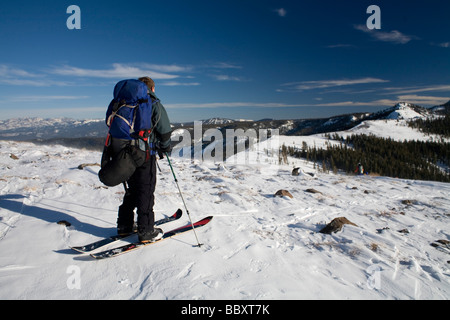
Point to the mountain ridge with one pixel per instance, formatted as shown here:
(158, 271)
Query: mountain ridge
(40, 129)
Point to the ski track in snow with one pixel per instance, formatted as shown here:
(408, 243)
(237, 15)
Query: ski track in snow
(257, 246)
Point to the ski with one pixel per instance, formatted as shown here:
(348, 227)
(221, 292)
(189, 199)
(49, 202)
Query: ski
(103, 242)
(136, 245)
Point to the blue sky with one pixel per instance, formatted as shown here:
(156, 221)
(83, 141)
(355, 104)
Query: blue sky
(234, 59)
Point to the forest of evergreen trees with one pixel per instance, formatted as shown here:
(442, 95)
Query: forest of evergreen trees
(409, 159)
(440, 126)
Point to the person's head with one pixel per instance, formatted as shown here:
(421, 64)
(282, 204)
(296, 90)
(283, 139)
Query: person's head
(149, 82)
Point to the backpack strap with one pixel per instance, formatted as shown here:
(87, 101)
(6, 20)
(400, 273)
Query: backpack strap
(117, 106)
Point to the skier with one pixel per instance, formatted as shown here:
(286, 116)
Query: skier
(141, 186)
(360, 169)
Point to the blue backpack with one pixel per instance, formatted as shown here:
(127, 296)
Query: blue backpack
(129, 115)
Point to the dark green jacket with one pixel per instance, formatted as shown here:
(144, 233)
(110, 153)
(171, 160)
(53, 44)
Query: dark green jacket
(161, 123)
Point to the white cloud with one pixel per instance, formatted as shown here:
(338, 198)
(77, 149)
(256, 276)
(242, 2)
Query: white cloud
(34, 83)
(167, 67)
(424, 100)
(177, 83)
(45, 98)
(155, 71)
(20, 77)
(392, 36)
(281, 12)
(407, 90)
(224, 77)
(9, 72)
(170, 74)
(117, 71)
(223, 65)
(444, 44)
(321, 84)
(217, 71)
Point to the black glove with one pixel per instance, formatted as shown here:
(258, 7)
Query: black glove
(167, 149)
(162, 150)
(160, 154)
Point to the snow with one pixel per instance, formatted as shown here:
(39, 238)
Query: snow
(404, 110)
(395, 129)
(32, 128)
(395, 126)
(257, 247)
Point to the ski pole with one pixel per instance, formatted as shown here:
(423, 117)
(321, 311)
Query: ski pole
(181, 195)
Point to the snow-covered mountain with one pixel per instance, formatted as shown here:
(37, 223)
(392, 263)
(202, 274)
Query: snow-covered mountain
(407, 111)
(392, 123)
(404, 111)
(24, 129)
(21, 129)
(442, 109)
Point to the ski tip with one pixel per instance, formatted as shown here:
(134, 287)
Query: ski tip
(80, 249)
(203, 221)
(178, 213)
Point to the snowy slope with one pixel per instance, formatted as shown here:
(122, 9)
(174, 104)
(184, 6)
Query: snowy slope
(394, 125)
(395, 129)
(257, 247)
(407, 111)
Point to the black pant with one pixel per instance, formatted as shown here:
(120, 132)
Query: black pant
(140, 195)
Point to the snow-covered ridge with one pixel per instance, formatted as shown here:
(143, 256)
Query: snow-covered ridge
(38, 128)
(41, 122)
(408, 111)
(393, 123)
